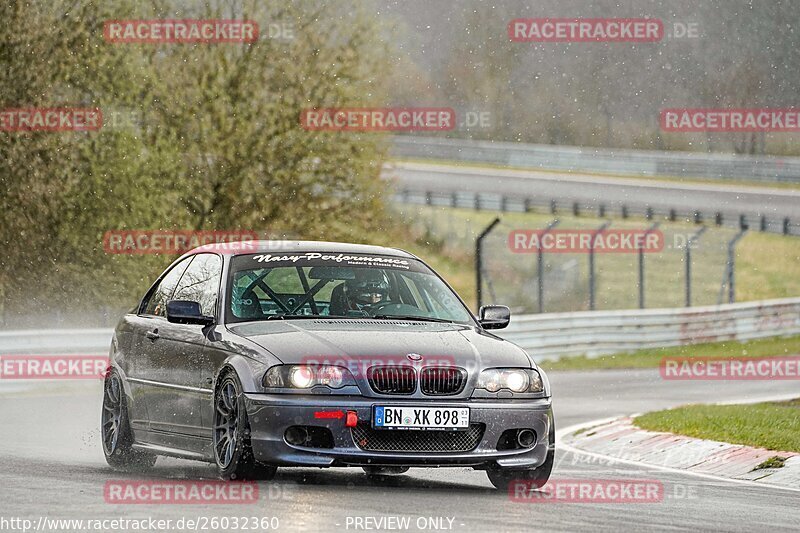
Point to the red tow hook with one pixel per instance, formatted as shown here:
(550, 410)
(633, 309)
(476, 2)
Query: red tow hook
(351, 420)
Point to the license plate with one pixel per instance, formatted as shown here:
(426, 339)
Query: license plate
(390, 417)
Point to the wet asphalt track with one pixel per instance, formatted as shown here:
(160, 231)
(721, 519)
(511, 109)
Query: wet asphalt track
(729, 199)
(51, 465)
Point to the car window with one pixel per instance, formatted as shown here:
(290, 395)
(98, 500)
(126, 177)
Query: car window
(156, 302)
(352, 285)
(432, 296)
(200, 282)
(410, 294)
(289, 285)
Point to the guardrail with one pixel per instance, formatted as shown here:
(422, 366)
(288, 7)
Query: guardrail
(498, 202)
(56, 341)
(594, 333)
(602, 160)
(545, 336)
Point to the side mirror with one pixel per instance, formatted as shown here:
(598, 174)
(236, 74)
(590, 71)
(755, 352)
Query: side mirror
(494, 316)
(187, 312)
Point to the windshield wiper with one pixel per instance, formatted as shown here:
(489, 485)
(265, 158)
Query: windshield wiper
(377, 317)
(411, 317)
(290, 316)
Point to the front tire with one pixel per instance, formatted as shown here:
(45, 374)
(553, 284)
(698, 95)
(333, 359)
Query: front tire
(537, 477)
(115, 430)
(380, 471)
(233, 452)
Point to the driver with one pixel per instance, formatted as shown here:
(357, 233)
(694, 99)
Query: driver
(368, 289)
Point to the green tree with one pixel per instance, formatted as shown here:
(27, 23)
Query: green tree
(219, 144)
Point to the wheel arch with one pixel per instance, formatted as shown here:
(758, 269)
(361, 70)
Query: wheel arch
(248, 371)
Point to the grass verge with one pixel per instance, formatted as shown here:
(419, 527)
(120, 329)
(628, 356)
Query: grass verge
(651, 358)
(772, 462)
(770, 425)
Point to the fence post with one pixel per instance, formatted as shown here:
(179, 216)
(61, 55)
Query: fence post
(591, 263)
(479, 260)
(540, 267)
(688, 263)
(641, 264)
(729, 278)
(732, 266)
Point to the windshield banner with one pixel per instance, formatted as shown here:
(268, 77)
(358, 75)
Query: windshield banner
(308, 259)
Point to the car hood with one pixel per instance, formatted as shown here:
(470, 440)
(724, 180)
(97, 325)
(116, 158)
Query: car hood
(342, 341)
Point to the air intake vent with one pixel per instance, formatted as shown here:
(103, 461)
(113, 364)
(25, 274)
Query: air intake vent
(439, 381)
(431, 441)
(392, 379)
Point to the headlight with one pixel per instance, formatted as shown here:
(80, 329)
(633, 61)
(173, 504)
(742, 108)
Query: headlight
(301, 377)
(537, 385)
(307, 376)
(332, 376)
(516, 380)
(513, 379)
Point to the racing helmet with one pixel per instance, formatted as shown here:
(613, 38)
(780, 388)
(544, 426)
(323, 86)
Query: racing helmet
(369, 287)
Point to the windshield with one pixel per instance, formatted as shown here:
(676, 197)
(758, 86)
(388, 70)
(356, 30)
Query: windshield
(264, 287)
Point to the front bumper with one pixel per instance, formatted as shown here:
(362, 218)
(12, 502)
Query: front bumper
(270, 415)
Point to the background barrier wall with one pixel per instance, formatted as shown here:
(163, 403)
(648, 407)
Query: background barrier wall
(595, 333)
(600, 160)
(545, 336)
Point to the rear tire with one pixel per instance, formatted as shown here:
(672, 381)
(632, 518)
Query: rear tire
(233, 452)
(115, 430)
